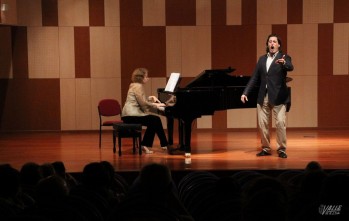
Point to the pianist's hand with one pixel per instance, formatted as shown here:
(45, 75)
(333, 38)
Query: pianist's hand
(160, 106)
(153, 99)
(243, 98)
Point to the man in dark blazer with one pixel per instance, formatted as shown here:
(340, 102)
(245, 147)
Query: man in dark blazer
(270, 75)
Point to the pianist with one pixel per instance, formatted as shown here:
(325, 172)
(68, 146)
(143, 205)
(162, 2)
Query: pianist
(271, 71)
(138, 107)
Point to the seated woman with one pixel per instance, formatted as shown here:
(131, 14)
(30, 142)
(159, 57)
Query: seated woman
(137, 110)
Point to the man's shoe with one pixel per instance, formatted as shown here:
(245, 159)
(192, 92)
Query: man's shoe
(263, 153)
(282, 154)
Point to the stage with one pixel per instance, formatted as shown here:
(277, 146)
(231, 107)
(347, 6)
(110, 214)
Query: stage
(211, 150)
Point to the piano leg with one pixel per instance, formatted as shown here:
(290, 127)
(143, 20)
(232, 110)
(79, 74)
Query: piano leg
(186, 125)
(181, 134)
(184, 135)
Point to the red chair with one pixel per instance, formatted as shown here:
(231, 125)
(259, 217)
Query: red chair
(107, 109)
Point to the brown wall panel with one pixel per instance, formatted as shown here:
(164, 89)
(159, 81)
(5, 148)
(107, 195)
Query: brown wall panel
(31, 105)
(19, 52)
(180, 12)
(281, 31)
(49, 12)
(5, 52)
(332, 109)
(249, 12)
(218, 12)
(82, 52)
(341, 14)
(96, 12)
(294, 11)
(142, 47)
(131, 13)
(234, 46)
(325, 50)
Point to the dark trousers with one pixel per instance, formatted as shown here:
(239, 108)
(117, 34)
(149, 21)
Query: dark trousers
(154, 126)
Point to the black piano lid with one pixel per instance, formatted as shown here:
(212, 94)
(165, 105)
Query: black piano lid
(217, 77)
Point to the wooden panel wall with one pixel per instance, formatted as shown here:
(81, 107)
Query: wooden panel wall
(62, 56)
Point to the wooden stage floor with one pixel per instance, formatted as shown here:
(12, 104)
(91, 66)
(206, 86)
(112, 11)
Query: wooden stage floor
(218, 151)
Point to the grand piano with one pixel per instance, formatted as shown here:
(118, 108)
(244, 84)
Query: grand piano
(210, 91)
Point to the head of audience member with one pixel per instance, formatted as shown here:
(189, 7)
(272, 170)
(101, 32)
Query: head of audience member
(108, 167)
(311, 183)
(95, 175)
(47, 169)
(313, 166)
(155, 177)
(59, 168)
(51, 190)
(9, 181)
(30, 174)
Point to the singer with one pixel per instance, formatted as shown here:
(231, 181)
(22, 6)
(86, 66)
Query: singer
(271, 72)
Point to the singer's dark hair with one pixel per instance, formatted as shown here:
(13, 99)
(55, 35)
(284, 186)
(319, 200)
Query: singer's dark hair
(279, 41)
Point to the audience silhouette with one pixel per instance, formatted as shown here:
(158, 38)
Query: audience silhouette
(48, 193)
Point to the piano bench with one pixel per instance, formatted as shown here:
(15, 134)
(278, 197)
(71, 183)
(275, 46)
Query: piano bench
(124, 130)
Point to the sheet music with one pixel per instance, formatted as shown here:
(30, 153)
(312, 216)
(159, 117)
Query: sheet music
(172, 82)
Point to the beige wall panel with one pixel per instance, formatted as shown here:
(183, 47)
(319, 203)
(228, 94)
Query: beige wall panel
(315, 11)
(83, 104)
(43, 52)
(302, 46)
(112, 12)
(154, 13)
(203, 12)
(173, 50)
(66, 52)
(68, 104)
(105, 52)
(153, 84)
(242, 118)
(340, 49)
(204, 122)
(9, 16)
(156, 83)
(73, 13)
(271, 11)
(263, 31)
(304, 103)
(29, 12)
(233, 12)
(102, 89)
(6, 70)
(196, 50)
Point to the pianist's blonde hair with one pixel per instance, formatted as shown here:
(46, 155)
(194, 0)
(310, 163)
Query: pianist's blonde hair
(139, 74)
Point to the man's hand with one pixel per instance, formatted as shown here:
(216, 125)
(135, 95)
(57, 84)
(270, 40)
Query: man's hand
(281, 60)
(243, 98)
